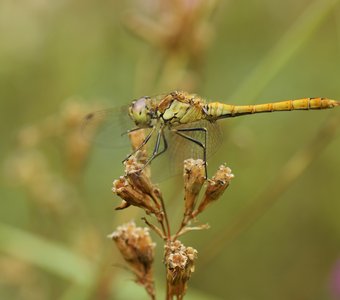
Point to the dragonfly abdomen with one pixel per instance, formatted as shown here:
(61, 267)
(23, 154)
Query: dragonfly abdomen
(217, 110)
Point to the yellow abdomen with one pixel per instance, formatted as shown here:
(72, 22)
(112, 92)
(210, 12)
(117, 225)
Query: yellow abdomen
(217, 110)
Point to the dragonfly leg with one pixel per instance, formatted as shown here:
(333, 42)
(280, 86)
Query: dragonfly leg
(147, 138)
(197, 142)
(165, 143)
(155, 152)
(132, 130)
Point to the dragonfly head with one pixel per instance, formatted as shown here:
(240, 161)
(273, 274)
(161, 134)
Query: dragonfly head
(141, 112)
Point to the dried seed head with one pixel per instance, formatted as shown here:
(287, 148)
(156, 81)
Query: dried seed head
(216, 187)
(137, 176)
(137, 249)
(179, 261)
(135, 245)
(194, 177)
(131, 195)
(219, 183)
(136, 188)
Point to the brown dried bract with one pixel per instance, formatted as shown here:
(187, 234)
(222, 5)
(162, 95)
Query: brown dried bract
(132, 196)
(194, 178)
(216, 187)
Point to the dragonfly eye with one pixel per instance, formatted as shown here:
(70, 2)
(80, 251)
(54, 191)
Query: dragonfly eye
(139, 112)
(139, 104)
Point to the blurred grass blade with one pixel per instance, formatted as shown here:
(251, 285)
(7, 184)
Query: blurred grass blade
(46, 255)
(285, 49)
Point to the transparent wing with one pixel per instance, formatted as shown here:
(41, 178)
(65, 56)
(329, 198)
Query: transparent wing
(181, 148)
(107, 127)
(214, 139)
(171, 162)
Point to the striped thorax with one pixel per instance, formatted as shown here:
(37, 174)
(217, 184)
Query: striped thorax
(180, 108)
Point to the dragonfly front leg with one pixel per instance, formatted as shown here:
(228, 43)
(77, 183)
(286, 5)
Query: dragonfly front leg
(133, 130)
(197, 142)
(147, 138)
(155, 152)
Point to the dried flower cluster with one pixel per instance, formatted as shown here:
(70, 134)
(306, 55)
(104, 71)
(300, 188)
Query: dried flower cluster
(137, 248)
(193, 181)
(31, 167)
(216, 187)
(178, 34)
(136, 188)
(46, 163)
(179, 261)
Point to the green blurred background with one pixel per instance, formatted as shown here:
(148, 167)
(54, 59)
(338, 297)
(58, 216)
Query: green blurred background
(275, 234)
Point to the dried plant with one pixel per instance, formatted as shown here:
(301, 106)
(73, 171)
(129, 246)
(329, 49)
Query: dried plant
(31, 166)
(52, 182)
(135, 188)
(178, 34)
(137, 248)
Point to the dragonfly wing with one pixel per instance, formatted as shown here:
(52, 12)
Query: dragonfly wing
(181, 148)
(107, 127)
(214, 139)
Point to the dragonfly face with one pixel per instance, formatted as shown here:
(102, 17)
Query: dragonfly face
(141, 112)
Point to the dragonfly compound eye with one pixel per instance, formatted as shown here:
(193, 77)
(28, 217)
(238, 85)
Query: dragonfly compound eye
(139, 112)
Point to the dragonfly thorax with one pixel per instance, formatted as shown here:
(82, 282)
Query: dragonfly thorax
(141, 112)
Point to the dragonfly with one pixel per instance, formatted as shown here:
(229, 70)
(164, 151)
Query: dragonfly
(187, 116)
